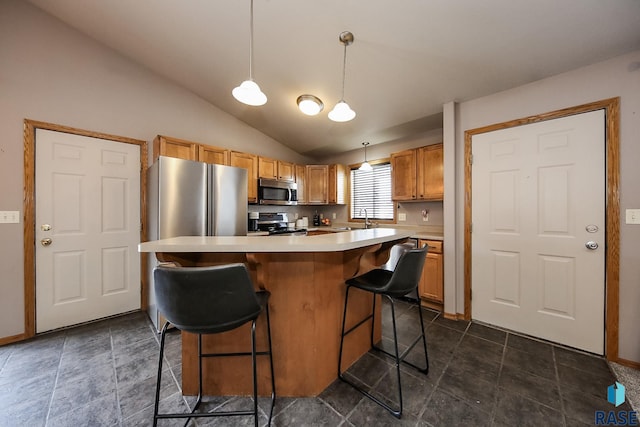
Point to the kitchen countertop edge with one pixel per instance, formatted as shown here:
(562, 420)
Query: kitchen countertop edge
(330, 242)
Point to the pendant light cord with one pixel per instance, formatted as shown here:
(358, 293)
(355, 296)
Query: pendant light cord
(344, 69)
(251, 44)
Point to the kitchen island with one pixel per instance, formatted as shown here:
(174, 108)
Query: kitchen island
(305, 275)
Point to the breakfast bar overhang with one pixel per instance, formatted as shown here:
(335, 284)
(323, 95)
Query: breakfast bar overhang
(305, 275)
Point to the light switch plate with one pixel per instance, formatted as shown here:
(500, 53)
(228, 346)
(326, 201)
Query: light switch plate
(402, 217)
(633, 216)
(9, 217)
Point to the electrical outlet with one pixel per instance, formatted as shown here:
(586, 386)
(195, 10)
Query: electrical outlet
(9, 217)
(333, 215)
(633, 216)
(402, 217)
(425, 215)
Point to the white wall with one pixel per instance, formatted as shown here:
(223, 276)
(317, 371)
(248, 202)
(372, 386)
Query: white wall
(616, 77)
(51, 73)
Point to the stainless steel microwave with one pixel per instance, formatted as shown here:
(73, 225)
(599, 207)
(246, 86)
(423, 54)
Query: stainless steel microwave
(274, 192)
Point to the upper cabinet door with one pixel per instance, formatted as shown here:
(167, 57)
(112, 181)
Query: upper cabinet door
(286, 171)
(275, 169)
(249, 162)
(317, 184)
(213, 155)
(267, 168)
(430, 172)
(337, 184)
(403, 175)
(174, 147)
(301, 179)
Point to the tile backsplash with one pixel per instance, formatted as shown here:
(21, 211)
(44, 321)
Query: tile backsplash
(411, 210)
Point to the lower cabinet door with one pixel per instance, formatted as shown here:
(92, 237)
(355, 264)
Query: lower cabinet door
(432, 282)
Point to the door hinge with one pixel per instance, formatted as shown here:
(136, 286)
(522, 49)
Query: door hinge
(471, 159)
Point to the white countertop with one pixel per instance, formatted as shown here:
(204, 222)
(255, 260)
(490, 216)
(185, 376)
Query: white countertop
(330, 242)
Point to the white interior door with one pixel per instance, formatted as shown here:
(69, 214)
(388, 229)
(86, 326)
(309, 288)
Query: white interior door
(538, 199)
(88, 206)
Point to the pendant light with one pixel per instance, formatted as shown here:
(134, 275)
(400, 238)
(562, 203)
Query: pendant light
(342, 112)
(365, 166)
(249, 92)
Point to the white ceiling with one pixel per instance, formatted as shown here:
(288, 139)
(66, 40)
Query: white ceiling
(409, 56)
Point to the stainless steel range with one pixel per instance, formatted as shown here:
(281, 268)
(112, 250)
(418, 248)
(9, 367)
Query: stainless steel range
(278, 224)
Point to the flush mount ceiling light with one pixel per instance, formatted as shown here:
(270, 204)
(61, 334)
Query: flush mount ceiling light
(309, 104)
(365, 166)
(249, 92)
(342, 112)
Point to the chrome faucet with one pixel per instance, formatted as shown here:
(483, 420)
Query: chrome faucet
(366, 217)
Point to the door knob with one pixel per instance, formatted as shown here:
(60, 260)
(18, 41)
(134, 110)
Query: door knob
(46, 242)
(591, 245)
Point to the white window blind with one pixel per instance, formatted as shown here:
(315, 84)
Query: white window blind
(371, 190)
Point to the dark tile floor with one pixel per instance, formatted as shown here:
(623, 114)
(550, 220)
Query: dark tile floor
(103, 374)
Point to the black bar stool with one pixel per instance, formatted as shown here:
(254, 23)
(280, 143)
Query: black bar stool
(391, 284)
(211, 300)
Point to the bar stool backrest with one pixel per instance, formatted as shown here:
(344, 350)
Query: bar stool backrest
(407, 273)
(206, 300)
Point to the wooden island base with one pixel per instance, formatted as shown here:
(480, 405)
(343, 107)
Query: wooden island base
(307, 299)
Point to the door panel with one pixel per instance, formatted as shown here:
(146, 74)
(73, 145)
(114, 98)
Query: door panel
(88, 205)
(536, 189)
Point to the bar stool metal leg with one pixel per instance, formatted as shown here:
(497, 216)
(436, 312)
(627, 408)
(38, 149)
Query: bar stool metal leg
(273, 378)
(159, 378)
(254, 353)
(398, 358)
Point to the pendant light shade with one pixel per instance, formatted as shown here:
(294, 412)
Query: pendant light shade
(365, 166)
(342, 112)
(249, 92)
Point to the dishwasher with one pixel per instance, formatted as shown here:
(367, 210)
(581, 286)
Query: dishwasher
(394, 255)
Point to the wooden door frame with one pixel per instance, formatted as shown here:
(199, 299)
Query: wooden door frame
(612, 162)
(29, 203)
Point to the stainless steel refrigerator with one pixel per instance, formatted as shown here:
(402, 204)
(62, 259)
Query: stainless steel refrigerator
(187, 198)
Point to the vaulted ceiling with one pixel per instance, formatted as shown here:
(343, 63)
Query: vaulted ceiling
(409, 57)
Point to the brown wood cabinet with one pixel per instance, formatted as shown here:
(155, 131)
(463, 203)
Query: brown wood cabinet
(301, 175)
(267, 168)
(213, 155)
(249, 162)
(337, 184)
(403, 175)
(432, 282)
(189, 150)
(317, 184)
(275, 169)
(417, 174)
(326, 184)
(430, 182)
(174, 147)
(286, 171)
